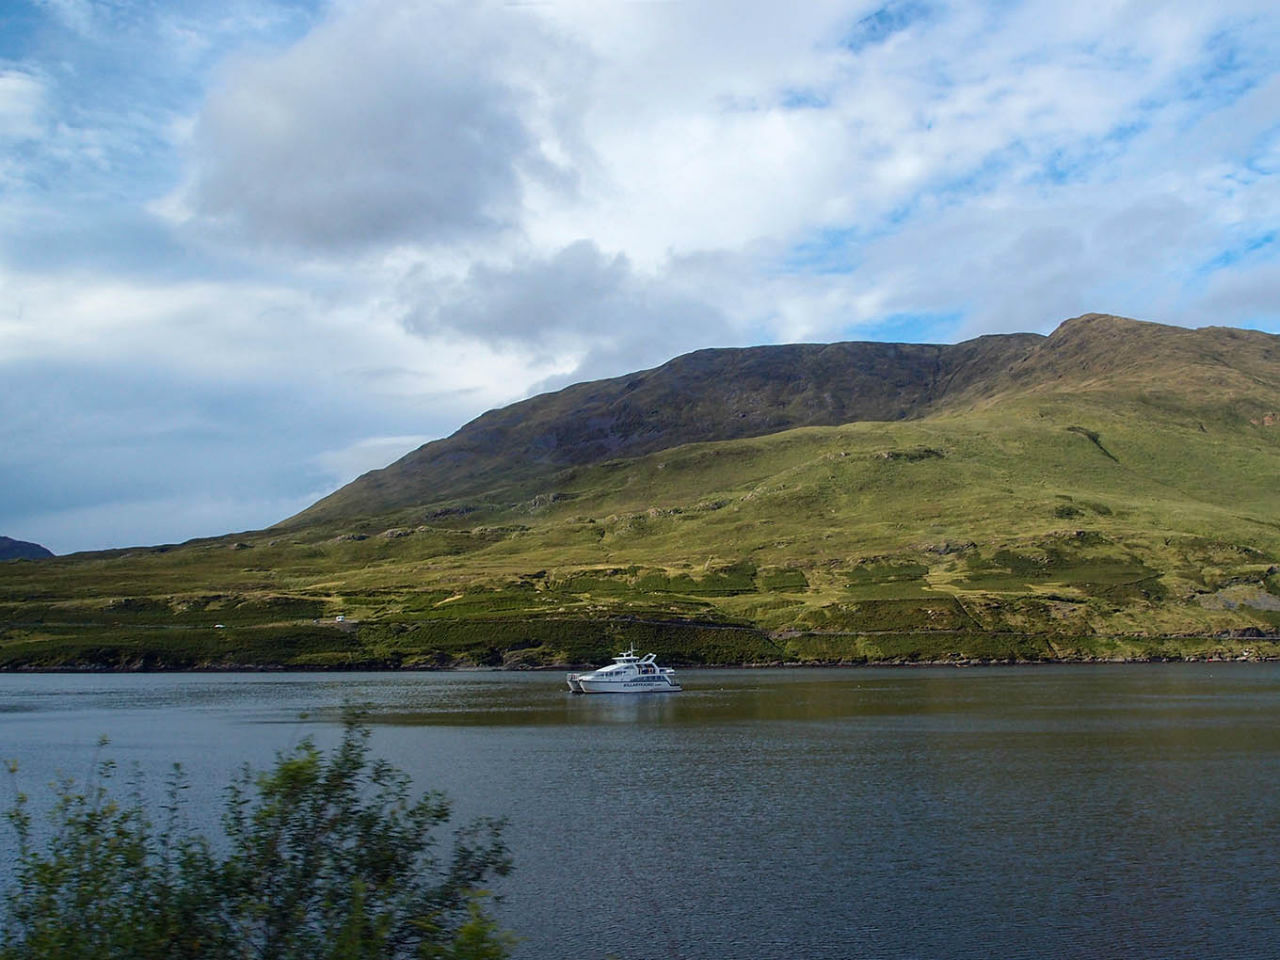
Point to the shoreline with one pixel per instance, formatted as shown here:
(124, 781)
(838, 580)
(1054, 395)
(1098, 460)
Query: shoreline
(559, 668)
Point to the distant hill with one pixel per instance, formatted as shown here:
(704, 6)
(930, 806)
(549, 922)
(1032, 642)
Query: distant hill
(1105, 492)
(11, 549)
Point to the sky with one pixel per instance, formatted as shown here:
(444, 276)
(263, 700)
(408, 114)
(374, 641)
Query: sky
(252, 249)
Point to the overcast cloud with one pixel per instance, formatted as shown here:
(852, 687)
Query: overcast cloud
(250, 250)
(390, 123)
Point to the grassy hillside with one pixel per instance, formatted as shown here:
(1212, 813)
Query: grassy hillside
(1101, 515)
(702, 396)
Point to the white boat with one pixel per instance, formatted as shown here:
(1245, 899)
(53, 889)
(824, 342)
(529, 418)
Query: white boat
(627, 674)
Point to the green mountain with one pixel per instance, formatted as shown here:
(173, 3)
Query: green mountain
(1107, 491)
(709, 395)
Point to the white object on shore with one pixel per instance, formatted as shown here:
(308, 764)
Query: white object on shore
(627, 674)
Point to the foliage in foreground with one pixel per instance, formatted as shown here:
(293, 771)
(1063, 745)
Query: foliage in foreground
(326, 855)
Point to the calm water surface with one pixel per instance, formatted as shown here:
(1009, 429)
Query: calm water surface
(991, 812)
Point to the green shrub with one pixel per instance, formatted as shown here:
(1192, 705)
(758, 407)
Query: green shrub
(785, 579)
(326, 856)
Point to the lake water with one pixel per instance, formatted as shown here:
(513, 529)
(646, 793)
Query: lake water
(1066, 811)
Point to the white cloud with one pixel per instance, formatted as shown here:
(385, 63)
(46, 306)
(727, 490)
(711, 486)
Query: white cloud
(253, 332)
(717, 134)
(389, 123)
(22, 105)
(698, 149)
(578, 303)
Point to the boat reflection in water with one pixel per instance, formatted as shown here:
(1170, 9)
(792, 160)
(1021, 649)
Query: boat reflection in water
(627, 674)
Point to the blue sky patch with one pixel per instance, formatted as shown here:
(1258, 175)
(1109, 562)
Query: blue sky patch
(877, 27)
(1263, 245)
(804, 99)
(912, 328)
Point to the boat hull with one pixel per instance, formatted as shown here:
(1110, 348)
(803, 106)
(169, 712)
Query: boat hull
(624, 686)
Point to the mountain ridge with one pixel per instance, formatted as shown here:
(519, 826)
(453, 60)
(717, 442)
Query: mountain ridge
(642, 412)
(735, 393)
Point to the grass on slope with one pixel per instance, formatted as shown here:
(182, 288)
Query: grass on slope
(1046, 528)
